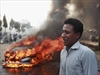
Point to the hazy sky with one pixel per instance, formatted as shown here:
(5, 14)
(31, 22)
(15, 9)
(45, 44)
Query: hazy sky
(35, 11)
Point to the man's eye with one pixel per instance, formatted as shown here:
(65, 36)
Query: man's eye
(67, 32)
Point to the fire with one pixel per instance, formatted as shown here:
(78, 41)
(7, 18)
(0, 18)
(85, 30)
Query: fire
(24, 42)
(38, 54)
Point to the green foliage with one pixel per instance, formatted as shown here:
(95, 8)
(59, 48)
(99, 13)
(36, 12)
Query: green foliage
(17, 26)
(0, 23)
(11, 24)
(5, 22)
(25, 26)
(14, 24)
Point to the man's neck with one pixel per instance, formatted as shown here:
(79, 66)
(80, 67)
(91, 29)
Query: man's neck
(68, 47)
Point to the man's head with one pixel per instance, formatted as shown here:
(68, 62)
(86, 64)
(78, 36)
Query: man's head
(72, 31)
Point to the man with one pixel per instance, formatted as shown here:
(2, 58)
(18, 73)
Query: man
(75, 58)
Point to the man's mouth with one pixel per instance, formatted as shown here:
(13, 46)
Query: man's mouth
(64, 41)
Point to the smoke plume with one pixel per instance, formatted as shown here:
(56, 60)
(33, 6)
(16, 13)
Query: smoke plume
(83, 10)
(61, 9)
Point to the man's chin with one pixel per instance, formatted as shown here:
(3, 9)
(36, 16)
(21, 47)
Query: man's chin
(65, 44)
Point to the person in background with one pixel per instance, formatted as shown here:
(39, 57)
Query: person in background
(75, 58)
(20, 36)
(0, 36)
(10, 38)
(15, 36)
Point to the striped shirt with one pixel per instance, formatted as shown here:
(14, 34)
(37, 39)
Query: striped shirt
(79, 60)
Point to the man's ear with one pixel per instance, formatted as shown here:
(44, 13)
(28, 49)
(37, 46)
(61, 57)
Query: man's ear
(78, 35)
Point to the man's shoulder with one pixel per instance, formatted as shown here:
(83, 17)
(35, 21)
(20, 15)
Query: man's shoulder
(86, 49)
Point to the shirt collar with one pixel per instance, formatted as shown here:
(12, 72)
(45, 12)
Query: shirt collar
(76, 46)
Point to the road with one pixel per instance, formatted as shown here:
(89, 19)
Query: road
(3, 48)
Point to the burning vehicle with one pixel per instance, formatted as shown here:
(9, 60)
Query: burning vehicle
(35, 53)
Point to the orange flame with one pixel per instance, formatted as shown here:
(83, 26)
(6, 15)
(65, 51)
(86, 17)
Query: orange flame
(39, 53)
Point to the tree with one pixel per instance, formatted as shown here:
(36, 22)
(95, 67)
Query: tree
(17, 26)
(11, 24)
(0, 25)
(5, 22)
(25, 25)
(14, 24)
(28, 25)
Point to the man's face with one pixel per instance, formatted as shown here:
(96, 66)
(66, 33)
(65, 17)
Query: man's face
(68, 35)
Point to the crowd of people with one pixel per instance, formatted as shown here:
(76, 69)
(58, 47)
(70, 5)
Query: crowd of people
(9, 38)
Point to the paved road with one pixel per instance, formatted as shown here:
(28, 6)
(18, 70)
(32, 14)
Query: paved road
(3, 48)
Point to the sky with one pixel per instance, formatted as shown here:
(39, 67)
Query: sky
(34, 11)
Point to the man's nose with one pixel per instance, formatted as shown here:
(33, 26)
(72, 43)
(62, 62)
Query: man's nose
(63, 35)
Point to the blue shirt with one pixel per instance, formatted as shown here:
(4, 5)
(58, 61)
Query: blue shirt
(79, 60)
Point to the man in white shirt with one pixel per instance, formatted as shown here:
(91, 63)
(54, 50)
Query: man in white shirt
(75, 58)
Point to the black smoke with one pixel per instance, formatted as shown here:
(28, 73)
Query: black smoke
(86, 10)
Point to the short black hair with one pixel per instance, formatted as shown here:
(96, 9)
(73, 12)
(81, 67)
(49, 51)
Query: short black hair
(77, 25)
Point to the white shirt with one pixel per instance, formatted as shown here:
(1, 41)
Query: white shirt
(79, 60)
